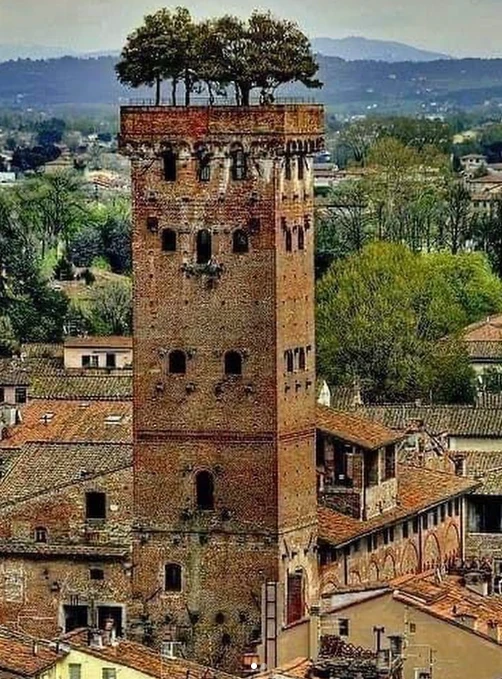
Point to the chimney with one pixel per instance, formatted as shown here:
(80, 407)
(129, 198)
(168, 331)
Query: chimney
(495, 631)
(96, 639)
(35, 647)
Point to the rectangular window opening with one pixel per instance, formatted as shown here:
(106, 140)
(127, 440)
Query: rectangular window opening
(95, 505)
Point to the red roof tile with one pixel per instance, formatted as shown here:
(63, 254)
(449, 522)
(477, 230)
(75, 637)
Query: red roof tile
(112, 341)
(418, 489)
(358, 430)
(17, 654)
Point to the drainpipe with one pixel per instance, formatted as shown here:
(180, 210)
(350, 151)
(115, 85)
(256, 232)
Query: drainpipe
(462, 518)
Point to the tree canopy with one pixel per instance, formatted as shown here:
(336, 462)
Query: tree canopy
(261, 53)
(383, 311)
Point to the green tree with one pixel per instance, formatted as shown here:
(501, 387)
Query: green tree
(381, 315)
(111, 308)
(160, 49)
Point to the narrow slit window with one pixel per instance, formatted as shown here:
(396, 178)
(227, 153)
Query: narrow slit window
(239, 165)
(301, 167)
(168, 240)
(177, 362)
(170, 166)
(204, 246)
(204, 487)
(289, 360)
(240, 243)
(301, 359)
(301, 239)
(287, 168)
(233, 363)
(172, 577)
(289, 240)
(204, 171)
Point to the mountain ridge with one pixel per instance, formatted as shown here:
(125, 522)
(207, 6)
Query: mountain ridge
(359, 48)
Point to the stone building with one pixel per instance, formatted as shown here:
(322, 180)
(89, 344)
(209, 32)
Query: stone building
(224, 371)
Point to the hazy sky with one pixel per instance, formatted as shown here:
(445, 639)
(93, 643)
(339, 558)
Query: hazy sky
(459, 27)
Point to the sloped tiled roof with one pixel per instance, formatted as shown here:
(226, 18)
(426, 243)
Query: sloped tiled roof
(66, 421)
(355, 429)
(418, 489)
(77, 387)
(112, 341)
(42, 467)
(39, 549)
(17, 656)
(486, 466)
(456, 420)
(449, 600)
(485, 350)
(135, 656)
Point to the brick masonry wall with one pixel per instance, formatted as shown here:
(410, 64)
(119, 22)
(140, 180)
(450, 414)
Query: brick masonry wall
(33, 589)
(418, 552)
(254, 432)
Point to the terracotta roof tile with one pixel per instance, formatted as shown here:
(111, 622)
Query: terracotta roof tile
(418, 489)
(487, 350)
(356, 429)
(456, 420)
(42, 467)
(67, 421)
(38, 549)
(90, 386)
(112, 341)
(16, 654)
(450, 600)
(138, 657)
(486, 467)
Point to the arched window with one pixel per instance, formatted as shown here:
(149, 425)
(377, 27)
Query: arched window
(168, 240)
(204, 247)
(289, 360)
(240, 241)
(170, 166)
(172, 577)
(204, 487)
(239, 164)
(177, 362)
(301, 238)
(301, 358)
(152, 224)
(233, 363)
(289, 240)
(295, 597)
(40, 534)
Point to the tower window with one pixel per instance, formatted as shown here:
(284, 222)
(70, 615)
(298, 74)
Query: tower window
(172, 577)
(240, 241)
(239, 165)
(204, 170)
(204, 248)
(40, 534)
(301, 167)
(95, 506)
(233, 363)
(296, 600)
(96, 573)
(168, 240)
(287, 168)
(289, 240)
(204, 487)
(177, 362)
(152, 224)
(170, 166)
(301, 239)
(289, 360)
(301, 358)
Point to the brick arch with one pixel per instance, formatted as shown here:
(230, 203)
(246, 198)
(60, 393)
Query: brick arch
(451, 546)
(373, 572)
(409, 559)
(388, 571)
(355, 577)
(432, 551)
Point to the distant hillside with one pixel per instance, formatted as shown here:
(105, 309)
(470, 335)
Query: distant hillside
(349, 86)
(361, 49)
(16, 51)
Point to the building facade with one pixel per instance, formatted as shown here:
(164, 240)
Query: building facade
(224, 374)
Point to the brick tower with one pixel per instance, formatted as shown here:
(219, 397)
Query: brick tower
(224, 377)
